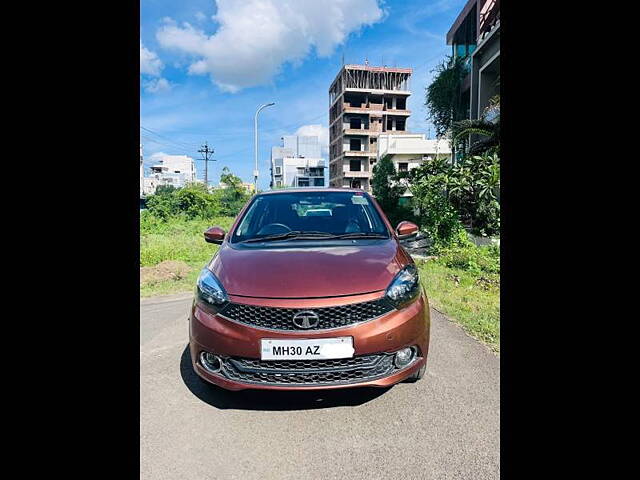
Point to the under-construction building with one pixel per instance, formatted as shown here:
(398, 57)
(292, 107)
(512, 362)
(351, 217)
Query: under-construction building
(365, 101)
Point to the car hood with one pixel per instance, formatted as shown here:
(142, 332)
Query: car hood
(307, 272)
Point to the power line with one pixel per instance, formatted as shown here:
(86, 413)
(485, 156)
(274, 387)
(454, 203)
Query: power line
(179, 143)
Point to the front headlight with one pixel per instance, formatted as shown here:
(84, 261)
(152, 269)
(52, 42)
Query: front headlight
(209, 289)
(405, 287)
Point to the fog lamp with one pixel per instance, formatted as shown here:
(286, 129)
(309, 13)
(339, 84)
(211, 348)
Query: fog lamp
(211, 363)
(403, 357)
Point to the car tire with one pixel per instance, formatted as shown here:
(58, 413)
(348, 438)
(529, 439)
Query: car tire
(417, 375)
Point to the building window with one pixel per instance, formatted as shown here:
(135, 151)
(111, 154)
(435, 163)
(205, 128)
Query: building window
(278, 170)
(400, 124)
(318, 182)
(355, 123)
(354, 145)
(403, 167)
(303, 182)
(355, 165)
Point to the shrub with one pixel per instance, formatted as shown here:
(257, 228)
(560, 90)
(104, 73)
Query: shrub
(451, 196)
(467, 256)
(194, 201)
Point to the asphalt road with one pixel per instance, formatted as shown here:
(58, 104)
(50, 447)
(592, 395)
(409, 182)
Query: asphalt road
(445, 426)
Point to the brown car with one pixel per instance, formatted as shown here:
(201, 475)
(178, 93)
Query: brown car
(310, 289)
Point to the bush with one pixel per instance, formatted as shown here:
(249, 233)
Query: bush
(469, 257)
(451, 196)
(194, 201)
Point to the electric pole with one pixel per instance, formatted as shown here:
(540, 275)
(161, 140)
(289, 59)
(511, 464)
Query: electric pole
(206, 151)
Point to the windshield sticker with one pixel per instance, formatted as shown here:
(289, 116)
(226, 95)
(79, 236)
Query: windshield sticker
(359, 200)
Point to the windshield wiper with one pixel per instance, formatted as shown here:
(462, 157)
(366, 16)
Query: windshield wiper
(289, 235)
(360, 235)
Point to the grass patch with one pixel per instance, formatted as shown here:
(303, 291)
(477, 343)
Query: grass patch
(179, 239)
(166, 287)
(470, 298)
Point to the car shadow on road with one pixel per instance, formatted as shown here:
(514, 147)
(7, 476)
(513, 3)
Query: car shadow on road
(272, 400)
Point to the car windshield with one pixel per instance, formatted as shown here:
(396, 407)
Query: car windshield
(305, 215)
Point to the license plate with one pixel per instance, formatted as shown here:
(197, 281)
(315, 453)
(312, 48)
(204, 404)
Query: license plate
(319, 348)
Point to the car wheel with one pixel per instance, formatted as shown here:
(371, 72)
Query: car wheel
(417, 375)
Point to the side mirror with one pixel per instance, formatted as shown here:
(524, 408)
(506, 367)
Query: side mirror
(215, 235)
(406, 230)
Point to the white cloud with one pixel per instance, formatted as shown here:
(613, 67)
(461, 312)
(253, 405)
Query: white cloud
(157, 85)
(200, 16)
(256, 37)
(319, 131)
(150, 64)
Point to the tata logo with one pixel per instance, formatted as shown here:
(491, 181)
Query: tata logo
(306, 319)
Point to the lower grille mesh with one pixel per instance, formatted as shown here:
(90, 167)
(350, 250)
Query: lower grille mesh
(309, 372)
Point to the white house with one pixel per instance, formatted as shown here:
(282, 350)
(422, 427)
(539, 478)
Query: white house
(298, 163)
(408, 151)
(175, 170)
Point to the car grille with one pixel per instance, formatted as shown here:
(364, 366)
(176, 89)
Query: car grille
(309, 372)
(282, 318)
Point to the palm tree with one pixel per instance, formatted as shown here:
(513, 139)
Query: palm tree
(487, 126)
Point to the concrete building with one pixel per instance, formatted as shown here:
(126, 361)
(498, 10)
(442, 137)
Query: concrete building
(475, 34)
(175, 170)
(297, 163)
(250, 188)
(408, 151)
(364, 102)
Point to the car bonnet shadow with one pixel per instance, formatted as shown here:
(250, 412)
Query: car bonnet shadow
(272, 399)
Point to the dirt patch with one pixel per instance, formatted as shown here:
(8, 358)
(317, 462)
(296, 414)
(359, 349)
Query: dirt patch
(167, 270)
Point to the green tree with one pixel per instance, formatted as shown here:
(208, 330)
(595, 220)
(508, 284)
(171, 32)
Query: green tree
(430, 185)
(193, 202)
(487, 127)
(444, 95)
(165, 189)
(387, 188)
(233, 195)
(163, 205)
(450, 197)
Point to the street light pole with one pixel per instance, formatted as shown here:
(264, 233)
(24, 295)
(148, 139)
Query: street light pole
(255, 130)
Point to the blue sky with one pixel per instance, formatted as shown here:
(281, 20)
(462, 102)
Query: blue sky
(207, 65)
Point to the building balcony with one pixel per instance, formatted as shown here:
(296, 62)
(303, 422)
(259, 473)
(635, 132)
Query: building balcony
(356, 174)
(378, 108)
(358, 153)
(359, 131)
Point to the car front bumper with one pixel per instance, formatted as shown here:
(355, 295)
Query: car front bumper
(374, 341)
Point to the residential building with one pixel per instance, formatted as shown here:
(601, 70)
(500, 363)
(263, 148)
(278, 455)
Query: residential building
(408, 151)
(175, 170)
(475, 35)
(250, 188)
(298, 163)
(149, 185)
(364, 102)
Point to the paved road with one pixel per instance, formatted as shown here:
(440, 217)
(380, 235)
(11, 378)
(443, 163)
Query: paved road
(442, 427)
